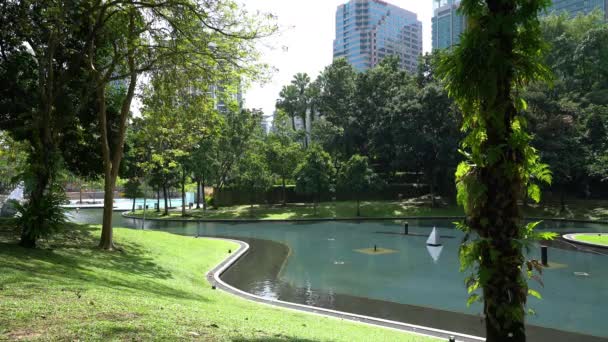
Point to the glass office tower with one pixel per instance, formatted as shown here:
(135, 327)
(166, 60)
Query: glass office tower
(574, 7)
(369, 30)
(447, 24)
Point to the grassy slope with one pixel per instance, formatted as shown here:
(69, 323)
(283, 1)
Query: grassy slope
(152, 290)
(599, 239)
(585, 210)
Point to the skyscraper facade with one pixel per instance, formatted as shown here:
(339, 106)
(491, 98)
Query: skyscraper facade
(369, 30)
(447, 24)
(575, 7)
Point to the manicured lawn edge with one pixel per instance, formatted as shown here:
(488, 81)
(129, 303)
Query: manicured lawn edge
(129, 215)
(575, 238)
(154, 289)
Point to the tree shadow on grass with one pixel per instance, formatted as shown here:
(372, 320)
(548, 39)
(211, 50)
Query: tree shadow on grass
(72, 258)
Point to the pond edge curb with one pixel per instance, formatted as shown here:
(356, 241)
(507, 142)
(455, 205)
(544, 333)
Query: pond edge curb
(214, 278)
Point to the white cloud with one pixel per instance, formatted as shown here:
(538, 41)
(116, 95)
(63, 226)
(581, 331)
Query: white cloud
(305, 44)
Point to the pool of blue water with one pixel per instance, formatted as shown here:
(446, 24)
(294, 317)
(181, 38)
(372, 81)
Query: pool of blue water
(331, 257)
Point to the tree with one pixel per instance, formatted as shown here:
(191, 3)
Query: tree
(239, 128)
(357, 177)
(313, 176)
(253, 175)
(288, 102)
(499, 158)
(282, 153)
(129, 38)
(42, 93)
(301, 81)
(428, 136)
(133, 190)
(204, 165)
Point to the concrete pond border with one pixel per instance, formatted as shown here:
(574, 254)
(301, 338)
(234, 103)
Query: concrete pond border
(214, 278)
(572, 238)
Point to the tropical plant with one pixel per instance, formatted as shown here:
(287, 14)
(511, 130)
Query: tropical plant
(499, 159)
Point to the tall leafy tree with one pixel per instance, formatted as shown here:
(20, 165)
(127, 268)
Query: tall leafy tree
(283, 154)
(143, 36)
(239, 129)
(42, 93)
(253, 175)
(500, 160)
(314, 174)
(288, 102)
(357, 177)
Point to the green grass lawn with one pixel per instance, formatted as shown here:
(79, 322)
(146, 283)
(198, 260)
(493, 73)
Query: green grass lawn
(302, 210)
(599, 239)
(584, 210)
(152, 288)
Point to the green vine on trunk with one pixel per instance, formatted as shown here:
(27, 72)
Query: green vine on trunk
(500, 52)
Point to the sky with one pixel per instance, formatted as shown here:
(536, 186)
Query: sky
(305, 41)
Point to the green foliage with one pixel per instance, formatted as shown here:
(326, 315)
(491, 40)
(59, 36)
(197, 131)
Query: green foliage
(253, 175)
(133, 188)
(499, 162)
(13, 159)
(49, 211)
(357, 176)
(314, 175)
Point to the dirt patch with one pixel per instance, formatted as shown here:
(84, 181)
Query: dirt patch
(20, 335)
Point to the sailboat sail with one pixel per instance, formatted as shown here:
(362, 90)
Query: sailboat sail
(433, 239)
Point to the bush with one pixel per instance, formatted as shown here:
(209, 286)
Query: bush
(49, 212)
(210, 200)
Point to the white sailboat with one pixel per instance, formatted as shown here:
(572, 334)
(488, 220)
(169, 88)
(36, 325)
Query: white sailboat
(433, 239)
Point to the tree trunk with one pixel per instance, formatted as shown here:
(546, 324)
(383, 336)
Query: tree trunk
(562, 200)
(165, 197)
(251, 199)
(183, 193)
(113, 156)
(314, 205)
(158, 199)
(107, 234)
(133, 210)
(284, 193)
(358, 207)
(198, 194)
(432, 190)
(80, 193)
(293, 122)
(497, 216)
(203, 191)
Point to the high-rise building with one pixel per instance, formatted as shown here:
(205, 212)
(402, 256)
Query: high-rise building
(575, 7)
(447, 23)
(369, 30)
